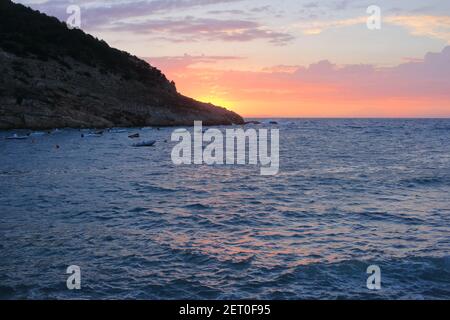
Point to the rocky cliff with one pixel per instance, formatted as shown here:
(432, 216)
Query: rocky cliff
(51, 76)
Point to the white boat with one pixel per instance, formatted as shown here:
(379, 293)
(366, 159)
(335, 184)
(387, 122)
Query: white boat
(15, 136)
(37, 134)
(117, 131)
(149, 143)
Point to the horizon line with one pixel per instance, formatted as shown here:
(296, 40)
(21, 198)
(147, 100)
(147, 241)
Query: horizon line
(349, 117)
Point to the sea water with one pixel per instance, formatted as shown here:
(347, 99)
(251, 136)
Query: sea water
(349, 194)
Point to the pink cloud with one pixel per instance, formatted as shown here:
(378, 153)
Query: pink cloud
(190, 29)
(405, 90)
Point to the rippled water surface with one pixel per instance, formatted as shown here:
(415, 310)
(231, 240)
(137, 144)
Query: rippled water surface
(350, 193)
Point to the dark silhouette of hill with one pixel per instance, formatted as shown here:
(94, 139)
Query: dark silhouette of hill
(53, 76)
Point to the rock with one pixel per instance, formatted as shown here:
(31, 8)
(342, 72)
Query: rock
(252, 122)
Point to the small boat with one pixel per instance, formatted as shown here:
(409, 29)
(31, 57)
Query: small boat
(15, 136)
(37, 134)
(117, 131)
(149, 143)
(91, 135)
(134, 136)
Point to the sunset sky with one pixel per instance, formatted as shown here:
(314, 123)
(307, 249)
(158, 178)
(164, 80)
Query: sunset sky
(286, 58)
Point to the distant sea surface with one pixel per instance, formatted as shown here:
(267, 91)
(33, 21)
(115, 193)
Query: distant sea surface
(350, 194)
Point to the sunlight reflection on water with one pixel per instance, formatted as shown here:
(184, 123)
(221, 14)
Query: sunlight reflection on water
(350, 193)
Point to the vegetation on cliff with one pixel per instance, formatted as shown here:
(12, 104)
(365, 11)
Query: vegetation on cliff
(51, 75)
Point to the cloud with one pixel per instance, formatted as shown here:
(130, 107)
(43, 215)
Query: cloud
(192, 29)
(311, 5)
(228, 12)
(174, 63)
(137, 17)
(254, 10)
(429, 26)
(96, 14)
(417, 88)
(341, 5)
(318, 26)
(420, 25)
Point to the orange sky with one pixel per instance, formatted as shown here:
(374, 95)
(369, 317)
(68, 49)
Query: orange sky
(290, 58)
(412, 89)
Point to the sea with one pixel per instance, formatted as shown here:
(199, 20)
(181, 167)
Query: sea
(350, 194)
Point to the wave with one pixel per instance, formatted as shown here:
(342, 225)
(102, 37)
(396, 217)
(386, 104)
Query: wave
(426, 181)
